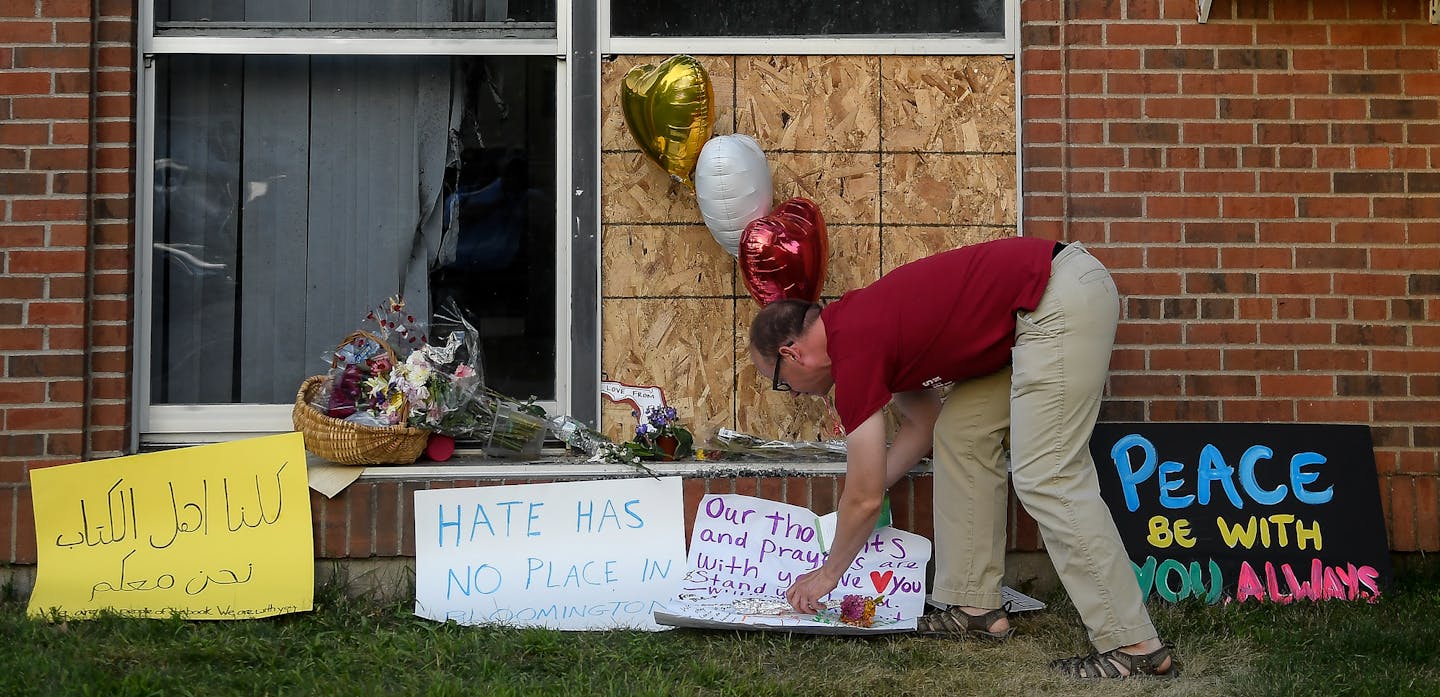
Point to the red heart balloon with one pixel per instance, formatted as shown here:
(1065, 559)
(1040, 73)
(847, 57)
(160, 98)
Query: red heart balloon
(783, 255)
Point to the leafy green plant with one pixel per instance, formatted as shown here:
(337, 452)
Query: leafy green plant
(660, 436)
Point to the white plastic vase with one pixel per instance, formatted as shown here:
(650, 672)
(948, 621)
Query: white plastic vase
(733, 187)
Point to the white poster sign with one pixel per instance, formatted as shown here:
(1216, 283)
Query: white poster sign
(745, 551)
(571, 555)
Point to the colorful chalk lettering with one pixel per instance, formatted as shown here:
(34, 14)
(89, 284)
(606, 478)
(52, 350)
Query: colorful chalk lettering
(1296, 514)
(1325, 583)
(1212, 469)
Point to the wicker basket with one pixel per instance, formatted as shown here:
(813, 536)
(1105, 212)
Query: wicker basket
(348, 443)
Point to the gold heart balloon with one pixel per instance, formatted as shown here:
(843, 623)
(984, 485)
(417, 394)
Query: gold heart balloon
(670, 109)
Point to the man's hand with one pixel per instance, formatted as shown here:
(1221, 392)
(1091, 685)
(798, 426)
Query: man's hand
(859, 508)
(804, 595)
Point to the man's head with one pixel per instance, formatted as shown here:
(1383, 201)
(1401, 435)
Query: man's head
(787, 344)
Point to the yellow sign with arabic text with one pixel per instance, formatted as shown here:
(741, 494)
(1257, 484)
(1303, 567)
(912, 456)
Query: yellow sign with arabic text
(210, 532)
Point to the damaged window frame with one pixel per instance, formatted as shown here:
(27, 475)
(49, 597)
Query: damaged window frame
(169, 425)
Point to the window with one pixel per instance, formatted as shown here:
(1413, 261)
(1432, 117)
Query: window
(812, 26)
(807, 17)
(307, 159)
(326, 13)
(310, 159)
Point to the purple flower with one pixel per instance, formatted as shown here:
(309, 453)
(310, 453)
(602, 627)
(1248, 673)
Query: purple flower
(660, 417)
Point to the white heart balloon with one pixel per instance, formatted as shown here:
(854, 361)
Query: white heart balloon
(733, 187)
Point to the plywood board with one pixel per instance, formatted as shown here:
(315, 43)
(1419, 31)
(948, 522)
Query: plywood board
(854, 258)
(906, 244)
(827, 103)
(949, 189)
(683, 345)
(664, 261)
(948, 104)
(846, 185)
(905, 156)
(635, 190)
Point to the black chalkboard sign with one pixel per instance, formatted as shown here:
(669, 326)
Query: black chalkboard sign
(1268, 512)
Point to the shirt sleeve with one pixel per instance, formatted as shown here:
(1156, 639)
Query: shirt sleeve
(860, 391)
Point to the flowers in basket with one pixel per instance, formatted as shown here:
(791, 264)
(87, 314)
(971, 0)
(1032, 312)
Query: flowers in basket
(436, 388)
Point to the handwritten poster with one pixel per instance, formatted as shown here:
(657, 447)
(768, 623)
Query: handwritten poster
(1272, 513)
(572, 555)
(745, 551)
(210, 532)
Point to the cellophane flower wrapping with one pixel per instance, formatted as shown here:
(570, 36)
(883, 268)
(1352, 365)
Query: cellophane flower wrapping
(726, 442)
(436, 387)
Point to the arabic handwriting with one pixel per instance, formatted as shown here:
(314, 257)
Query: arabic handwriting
(116, 532)
(164, 581)
(244, 521)
(191, 517)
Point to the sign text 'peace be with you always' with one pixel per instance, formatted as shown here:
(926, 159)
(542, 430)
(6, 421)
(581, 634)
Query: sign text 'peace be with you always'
(1269, 512)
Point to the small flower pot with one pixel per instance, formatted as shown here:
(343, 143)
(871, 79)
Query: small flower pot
(668, 445)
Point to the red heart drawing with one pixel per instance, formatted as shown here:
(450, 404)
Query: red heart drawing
(783, 255)
(881, 581)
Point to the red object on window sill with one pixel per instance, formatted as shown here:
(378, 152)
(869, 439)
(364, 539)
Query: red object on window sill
(440, 447)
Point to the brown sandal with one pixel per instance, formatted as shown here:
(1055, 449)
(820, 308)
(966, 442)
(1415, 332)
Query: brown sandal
(955, 622)
(1103, 665)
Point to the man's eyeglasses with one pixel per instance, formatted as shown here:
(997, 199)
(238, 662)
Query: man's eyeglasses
(775, 382)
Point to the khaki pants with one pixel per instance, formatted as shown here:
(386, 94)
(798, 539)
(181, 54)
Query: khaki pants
(1046, 404)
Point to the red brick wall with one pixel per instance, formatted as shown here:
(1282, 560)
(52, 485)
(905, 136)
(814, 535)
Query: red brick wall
(66, 155)
(377, 519)
(1264, 187)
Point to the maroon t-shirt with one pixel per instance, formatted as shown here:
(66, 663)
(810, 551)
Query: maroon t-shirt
(941, 319)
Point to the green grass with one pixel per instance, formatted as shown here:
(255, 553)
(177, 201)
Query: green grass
(358, 647)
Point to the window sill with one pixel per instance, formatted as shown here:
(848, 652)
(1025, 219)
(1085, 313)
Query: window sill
(560, 465)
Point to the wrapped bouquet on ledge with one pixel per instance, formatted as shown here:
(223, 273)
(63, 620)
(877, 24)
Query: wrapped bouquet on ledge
(658, 437)
(389, 392)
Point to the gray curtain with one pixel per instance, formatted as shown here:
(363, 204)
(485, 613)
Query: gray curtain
(293, 194)
(331, 10)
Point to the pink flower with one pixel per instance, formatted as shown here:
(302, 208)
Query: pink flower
(859, 610)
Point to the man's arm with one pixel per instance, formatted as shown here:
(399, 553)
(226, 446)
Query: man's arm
(860, 502)
(918, 411)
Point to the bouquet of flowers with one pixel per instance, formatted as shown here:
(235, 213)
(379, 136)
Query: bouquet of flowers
(432, 387)
(728, 442)
(661, 436)
(859, 610)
